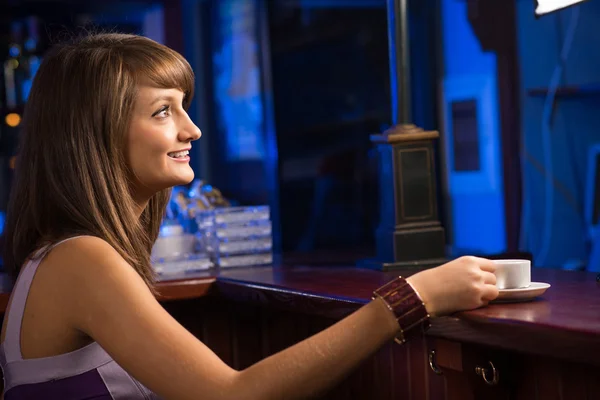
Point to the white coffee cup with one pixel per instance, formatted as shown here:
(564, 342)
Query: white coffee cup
(513, 274)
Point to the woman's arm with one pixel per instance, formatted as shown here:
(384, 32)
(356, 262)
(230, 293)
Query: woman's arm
(320, 361)
(317, 363)
(111, 304)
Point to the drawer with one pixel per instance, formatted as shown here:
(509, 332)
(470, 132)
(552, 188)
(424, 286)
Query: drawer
(472, 372)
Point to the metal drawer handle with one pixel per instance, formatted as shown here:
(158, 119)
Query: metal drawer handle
(490, 375)
(432, 363)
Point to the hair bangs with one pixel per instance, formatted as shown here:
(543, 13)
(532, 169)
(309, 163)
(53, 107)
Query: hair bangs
(167, 69)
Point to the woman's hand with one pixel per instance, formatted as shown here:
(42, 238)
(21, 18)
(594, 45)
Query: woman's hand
(463, 284)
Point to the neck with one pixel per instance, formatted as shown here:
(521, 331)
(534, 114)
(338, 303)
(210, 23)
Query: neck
(140, 204)
(139, 208)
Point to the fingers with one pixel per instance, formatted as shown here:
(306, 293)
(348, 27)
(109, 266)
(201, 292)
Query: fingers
(489, 293)
(485, 264)
(489, 278)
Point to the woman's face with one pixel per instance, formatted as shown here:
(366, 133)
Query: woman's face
(159, 141)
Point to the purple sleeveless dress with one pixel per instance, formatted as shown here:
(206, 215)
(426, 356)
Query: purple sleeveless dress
(87, 373)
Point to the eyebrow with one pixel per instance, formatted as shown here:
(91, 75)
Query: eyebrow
(162, 98)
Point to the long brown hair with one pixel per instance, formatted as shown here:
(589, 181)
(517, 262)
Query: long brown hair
(71, 175)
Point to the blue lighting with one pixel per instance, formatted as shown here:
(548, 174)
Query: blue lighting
(238, 91)
(14, 51)
(30, 44)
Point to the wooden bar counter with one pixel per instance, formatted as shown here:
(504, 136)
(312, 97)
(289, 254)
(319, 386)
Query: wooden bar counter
(548, 348)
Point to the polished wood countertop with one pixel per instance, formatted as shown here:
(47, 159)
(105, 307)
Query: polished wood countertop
(563, 323)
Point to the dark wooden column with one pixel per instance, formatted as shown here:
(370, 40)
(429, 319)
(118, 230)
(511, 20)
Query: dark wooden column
(494, 23)
(409, 232)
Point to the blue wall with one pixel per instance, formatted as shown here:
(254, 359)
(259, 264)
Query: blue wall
(575, 128)
(475, 199)
(462, 52)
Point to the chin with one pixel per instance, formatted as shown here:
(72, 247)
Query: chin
(183, 180)
(169, 179)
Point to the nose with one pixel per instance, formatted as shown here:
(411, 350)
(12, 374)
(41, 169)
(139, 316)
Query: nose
(189, 132)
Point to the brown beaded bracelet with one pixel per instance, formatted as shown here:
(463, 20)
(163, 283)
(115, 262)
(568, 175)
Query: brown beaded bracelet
(406, 304)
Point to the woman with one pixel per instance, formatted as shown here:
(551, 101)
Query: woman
(106, 135)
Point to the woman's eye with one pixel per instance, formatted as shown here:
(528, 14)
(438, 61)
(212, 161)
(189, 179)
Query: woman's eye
(163, 112)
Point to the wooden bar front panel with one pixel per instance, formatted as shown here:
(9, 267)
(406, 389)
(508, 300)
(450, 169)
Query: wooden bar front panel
(242, 334)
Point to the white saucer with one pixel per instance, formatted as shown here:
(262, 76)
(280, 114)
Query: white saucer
(523, 294)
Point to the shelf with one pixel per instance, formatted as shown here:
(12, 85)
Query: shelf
(590, 89)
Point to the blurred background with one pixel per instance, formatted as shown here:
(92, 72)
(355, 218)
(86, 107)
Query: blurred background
(288, 92)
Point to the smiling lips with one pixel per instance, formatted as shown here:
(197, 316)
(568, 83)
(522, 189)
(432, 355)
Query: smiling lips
(182, 155)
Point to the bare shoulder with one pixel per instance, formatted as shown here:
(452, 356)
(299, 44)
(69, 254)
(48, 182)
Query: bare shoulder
(112, 304)
(94, 278)
(88, 265)
(85, 254)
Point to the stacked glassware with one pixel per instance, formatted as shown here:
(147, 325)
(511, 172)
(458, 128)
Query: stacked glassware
(236, 236)
(176, 251)
(202, 230)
